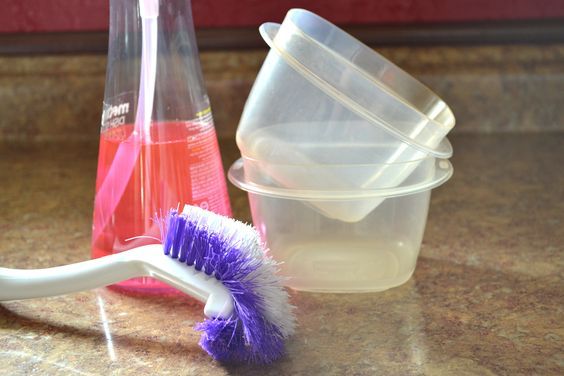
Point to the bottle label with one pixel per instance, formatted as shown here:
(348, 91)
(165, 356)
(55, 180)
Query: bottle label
(209, 190)
(118, 111)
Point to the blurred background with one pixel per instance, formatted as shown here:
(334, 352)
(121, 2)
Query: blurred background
(499, 64)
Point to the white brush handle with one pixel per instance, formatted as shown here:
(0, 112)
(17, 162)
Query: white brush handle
(18, 284)
(143, 261)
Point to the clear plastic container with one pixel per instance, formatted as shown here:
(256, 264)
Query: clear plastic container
(158, 146)
(325, 254)
(323, 98)
(315, 72)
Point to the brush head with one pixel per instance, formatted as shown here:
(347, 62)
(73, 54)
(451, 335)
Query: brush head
(233, 253)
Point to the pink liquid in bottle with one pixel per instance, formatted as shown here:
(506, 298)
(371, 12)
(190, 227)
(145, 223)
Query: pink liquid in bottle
(181, 165)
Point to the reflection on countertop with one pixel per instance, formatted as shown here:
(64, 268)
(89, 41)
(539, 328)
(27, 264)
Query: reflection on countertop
(486, 297)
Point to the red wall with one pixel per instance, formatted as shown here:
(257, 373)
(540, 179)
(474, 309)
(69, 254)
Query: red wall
(84, 15)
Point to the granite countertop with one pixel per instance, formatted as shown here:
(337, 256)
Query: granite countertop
(487, 296)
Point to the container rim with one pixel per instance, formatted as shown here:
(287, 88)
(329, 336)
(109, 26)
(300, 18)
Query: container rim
(236, 175)
(268, 32)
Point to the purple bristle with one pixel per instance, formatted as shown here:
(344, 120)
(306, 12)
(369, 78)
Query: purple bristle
(178, 231)
(247, 336)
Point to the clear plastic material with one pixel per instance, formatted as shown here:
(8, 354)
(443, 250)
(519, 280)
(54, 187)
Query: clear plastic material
(331, 156)
(324, 98)
(338, 177)
(327, 255)
(158, 147)
(324, 254)
(362, 78)
(288, 117)
(353, 77)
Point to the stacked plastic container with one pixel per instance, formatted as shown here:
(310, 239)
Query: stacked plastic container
(340, 150)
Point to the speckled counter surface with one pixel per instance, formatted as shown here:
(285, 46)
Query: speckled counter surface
(487, 296)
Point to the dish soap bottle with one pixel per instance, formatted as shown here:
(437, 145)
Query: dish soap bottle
(158, 146)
